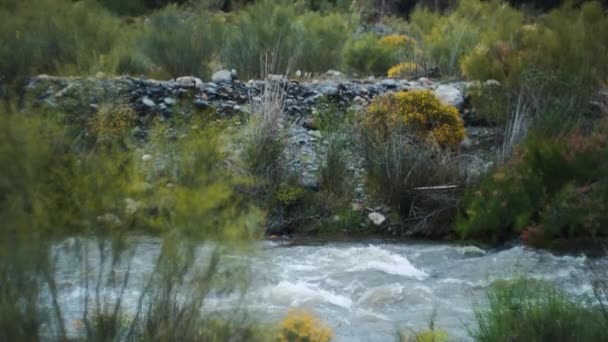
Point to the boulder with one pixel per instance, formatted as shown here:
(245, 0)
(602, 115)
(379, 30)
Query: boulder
(148, 102)
(222, 76)
(450, 95)
(188, 82)
(377, 218)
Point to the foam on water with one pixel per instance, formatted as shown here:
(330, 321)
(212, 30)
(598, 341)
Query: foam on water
(299, 292)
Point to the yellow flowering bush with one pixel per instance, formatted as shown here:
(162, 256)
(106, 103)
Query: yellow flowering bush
(302, 326)
(113, 120)
(421, 113)
(397, 40)
(403, 69)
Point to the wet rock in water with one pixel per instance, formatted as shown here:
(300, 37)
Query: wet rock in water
(222, 76)
(377, 218)
(450, 95)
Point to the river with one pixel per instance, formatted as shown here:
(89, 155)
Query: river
(367, 291)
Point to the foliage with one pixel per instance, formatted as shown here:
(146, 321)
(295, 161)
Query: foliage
(421, 113)
(533, 310)
(447, 39)
(368, 55)
(403, 70)
(53, 185)
(55, 37)
(490, 101)
(553, 188)
(262, 28)
(555, 60)
(181, 44)
(334, 174)
(321, 41)
(302, 326)
(289, 195)
(113, 120)
(402, 170)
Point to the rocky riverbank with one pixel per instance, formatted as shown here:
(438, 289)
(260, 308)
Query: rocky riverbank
(227, 97)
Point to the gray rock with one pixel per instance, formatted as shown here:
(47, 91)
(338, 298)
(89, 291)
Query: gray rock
(389, 83)
(234, 74)
(449, 95)
(222, 76)
(377, 218)
(169, 101)
(147, 102)
(189, 82)
(328, 90)
(201, 104)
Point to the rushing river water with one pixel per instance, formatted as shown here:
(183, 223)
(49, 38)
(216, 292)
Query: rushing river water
(367, 291)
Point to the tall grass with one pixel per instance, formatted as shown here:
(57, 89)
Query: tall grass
(180, 43)
(54, 37)
(532, 310)
(54, 187)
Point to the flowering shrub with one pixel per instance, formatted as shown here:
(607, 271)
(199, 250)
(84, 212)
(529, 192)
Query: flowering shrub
(397, 40)
(302, 326)
(419, 112)
(369, 55)
(403, 69)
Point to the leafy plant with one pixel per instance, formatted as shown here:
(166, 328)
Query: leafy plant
(421, 113)
(301, 326)
(182, 44)
(536, 311)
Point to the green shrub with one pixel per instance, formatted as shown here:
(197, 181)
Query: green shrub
(53, 187)
(555, 61)
(447, 39)
(533, 310)
(403, 170)
(334, 174)
(368, 55)
(553, 188)
(419, 112)
(490, 102)
(322, 39)
(180, 43)
(54, 37)
(259, 30)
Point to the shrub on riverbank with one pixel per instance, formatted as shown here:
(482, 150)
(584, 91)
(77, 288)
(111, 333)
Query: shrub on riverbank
(52, 186)
(532, 310)
(420, 113)
(302, 326)
(553, 188)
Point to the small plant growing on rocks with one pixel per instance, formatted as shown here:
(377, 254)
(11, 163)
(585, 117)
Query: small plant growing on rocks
(113, 120)
(302, 326)
(404, 69)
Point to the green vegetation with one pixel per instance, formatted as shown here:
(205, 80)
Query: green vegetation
(532, 310)
(53, 187)
(553, 188)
